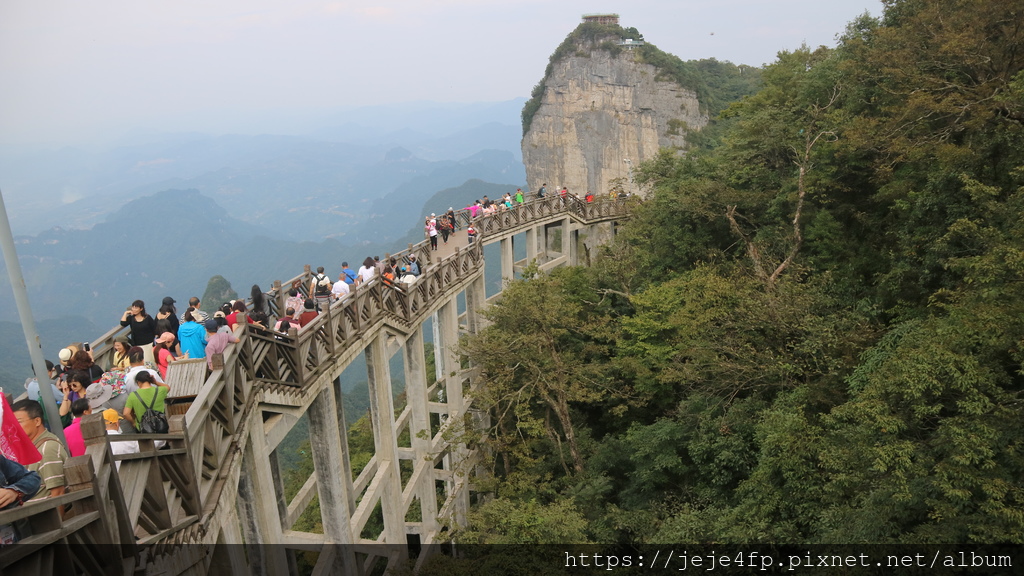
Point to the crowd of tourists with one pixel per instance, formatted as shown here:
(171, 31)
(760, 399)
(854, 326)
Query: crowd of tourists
(132, 391)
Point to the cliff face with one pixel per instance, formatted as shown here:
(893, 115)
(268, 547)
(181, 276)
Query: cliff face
(600, 115)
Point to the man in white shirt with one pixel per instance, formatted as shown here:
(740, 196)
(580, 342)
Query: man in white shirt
(340, 288)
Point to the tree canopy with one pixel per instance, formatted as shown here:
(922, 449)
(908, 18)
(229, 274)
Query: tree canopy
(809, 332)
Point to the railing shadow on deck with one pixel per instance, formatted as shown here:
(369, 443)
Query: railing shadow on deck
(118, 521)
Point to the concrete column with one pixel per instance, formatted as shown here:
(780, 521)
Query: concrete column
(382, 416)
(531, 244)
(261, 523)
(326, 446)
(476, 299)
(507, 261)
(346, 460)
(574, 248)
(419, 430)
(448, 318)
(566, 236)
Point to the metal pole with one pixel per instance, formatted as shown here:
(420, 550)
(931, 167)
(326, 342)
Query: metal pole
(28, 324)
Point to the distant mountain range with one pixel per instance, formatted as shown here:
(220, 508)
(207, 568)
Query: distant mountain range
(161, 214)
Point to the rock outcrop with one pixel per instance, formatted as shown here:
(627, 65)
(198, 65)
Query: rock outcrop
(600, 114)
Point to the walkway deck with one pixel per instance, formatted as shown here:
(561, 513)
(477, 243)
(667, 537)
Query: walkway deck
(165, 511)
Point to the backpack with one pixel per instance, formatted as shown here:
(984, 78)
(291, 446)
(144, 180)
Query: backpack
(152, 422)
(323, 284)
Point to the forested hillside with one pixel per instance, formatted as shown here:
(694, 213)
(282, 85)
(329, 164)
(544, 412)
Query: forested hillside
(811, 331)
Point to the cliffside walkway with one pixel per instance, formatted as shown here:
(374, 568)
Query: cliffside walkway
(213, 499)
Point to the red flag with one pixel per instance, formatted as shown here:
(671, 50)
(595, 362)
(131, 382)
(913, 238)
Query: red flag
(14, 443)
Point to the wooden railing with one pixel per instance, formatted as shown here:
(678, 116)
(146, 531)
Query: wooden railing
(162, 499)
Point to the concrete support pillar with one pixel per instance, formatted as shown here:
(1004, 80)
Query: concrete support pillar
(448, 319)
(531, 244)
(507, 261)
(419, 430)
(566, 236)
(326, 446)
(261, 523)
(476, 299)
(382, 416)
(574, 248)
(346, 460)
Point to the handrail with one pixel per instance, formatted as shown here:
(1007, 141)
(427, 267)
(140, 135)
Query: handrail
(207, 441)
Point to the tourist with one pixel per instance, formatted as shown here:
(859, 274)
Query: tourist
(340, 288)
(192, 336)
(414, 266)
(82, 360)
(519, 196)
(294, 301)
(121, 347)
(367, 271)
(167, 317)
(197, 313)
(112, 420)
(142, 327)
(137, 366)
(51, 467)
(350, 274)
(431, 230)
(308, 313)
(73, 433)
(149, 395)
(320, 286)
(17, 483)
(163, 350)
(216, 341)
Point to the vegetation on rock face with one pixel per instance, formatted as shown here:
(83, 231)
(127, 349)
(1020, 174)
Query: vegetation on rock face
(810, 333)
(715, 83)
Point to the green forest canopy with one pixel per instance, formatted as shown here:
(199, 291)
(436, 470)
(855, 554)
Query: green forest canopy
(809, 332)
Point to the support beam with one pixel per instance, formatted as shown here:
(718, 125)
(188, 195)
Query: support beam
(258, 512)
(326, 446)
(382, 416)
(419, 430)
(507, 262)
(566, 236)
(531, 244)
(448, 320)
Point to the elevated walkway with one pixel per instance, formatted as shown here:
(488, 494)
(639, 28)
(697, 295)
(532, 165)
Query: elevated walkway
(179, 510)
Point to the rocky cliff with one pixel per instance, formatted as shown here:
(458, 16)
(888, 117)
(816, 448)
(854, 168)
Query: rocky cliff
(598, 112)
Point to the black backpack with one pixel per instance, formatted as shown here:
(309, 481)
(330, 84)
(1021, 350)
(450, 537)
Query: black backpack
(152, 422)
(323, 284)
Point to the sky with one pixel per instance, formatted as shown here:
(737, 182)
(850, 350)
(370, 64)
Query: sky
(74, 71)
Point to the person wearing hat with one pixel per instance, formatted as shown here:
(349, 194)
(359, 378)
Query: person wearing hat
(350, 274)
(99, 397)
(163, 350)
(112, 420)
(167, 317)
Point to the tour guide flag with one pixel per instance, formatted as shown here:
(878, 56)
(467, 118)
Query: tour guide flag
(14, 443)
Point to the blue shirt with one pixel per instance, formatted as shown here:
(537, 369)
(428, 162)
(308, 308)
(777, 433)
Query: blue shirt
(192, 336)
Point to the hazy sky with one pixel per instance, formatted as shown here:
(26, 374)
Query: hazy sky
(71, 69)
